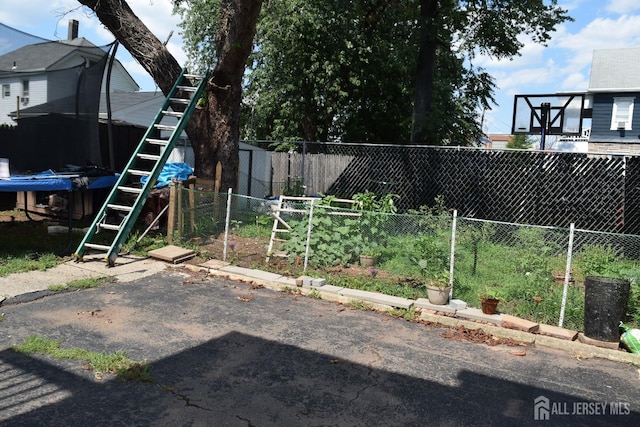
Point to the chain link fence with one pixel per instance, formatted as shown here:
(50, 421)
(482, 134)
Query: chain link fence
(537, 271)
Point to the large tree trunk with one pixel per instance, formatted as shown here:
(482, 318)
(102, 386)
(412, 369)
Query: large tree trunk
(423, 95)
(214, 131)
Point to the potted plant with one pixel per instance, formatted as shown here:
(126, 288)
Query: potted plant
(438, 288)
(369, 256)
(489, 300)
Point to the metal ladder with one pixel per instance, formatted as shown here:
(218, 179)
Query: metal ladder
(127, 197)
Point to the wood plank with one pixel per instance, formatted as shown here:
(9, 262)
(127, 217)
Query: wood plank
(172, 254)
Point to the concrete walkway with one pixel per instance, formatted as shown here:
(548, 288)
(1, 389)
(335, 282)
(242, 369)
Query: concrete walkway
(127, 268)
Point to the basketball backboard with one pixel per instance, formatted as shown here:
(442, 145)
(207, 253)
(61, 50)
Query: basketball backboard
(547, 115)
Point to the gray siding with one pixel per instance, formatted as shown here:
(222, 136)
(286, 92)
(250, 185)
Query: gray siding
(601, 120)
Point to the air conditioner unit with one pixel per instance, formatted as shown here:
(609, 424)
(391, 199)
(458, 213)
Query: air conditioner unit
(622, 125)
(24, 100)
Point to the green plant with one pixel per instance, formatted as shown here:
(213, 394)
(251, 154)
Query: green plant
(91, 282)
(490, 292)
(597, 260)
(314, 294)
(102, 363)
(360, 305)
(372, 250)
(404, 313)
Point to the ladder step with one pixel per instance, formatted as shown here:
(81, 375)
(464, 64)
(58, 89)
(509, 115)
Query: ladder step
(109, 226)
(139, 172)
(162, 142)
(187, 88)
(120, 207)
(98, 247)
(164, 127)
(194, 76)
(179, 100)
(130, 189)
(148, 156)
(281, 231)
(172, 113)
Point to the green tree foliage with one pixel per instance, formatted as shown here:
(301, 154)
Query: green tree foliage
(332, 70)
(375, 70)
(520, 142)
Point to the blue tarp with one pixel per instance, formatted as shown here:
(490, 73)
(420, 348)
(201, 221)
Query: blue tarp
(52, 181)
(179, 171)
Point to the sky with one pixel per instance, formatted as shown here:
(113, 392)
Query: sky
(563, 65)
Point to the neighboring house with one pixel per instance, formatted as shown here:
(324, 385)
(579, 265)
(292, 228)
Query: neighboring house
(613, 91)
(51, 71)
(498, 141)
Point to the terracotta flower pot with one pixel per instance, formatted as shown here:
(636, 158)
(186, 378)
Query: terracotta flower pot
(489, 305)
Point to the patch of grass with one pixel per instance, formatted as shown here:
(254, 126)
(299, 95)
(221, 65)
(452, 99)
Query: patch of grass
(117, 363)
(360, 305)
(86, 283)
(92, 282)
(403, 313)
(314, 294)
(17, 263)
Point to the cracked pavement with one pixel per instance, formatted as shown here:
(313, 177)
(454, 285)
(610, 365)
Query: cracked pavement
(225, 353)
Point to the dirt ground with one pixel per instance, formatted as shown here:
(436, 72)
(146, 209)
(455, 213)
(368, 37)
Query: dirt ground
(251, 252)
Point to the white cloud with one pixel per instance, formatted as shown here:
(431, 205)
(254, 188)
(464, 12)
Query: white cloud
(623, 6)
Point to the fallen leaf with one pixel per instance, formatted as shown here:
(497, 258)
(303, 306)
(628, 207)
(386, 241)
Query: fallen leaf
(336, 361)
(245, 299)
(518, 353)
(98, 376)
(86, 367)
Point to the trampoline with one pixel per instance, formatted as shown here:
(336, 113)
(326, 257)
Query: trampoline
(53, 182)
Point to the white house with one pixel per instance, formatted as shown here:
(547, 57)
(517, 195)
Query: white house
(39, 73)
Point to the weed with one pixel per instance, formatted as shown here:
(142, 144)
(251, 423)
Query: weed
(290, 290)
(92, 282)
(403, 313)
(102, 363)
(314, 294)
(360, 305)
(58, 288)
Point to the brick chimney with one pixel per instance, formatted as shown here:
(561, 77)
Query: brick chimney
(73, 29)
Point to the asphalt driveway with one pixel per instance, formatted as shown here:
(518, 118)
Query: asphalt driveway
(228, 354)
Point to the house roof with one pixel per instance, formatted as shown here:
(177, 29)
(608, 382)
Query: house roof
(615, 70)
(47, 55)
(119, 101)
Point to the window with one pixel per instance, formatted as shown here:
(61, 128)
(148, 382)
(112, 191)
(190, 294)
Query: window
(622, 114)
(25, 92)
(6, 91)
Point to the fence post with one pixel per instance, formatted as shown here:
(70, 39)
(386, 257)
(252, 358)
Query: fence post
(567, 274)
(172, 212)
(226, 225)
(180, 210)
(306, 251)
(453, 250)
